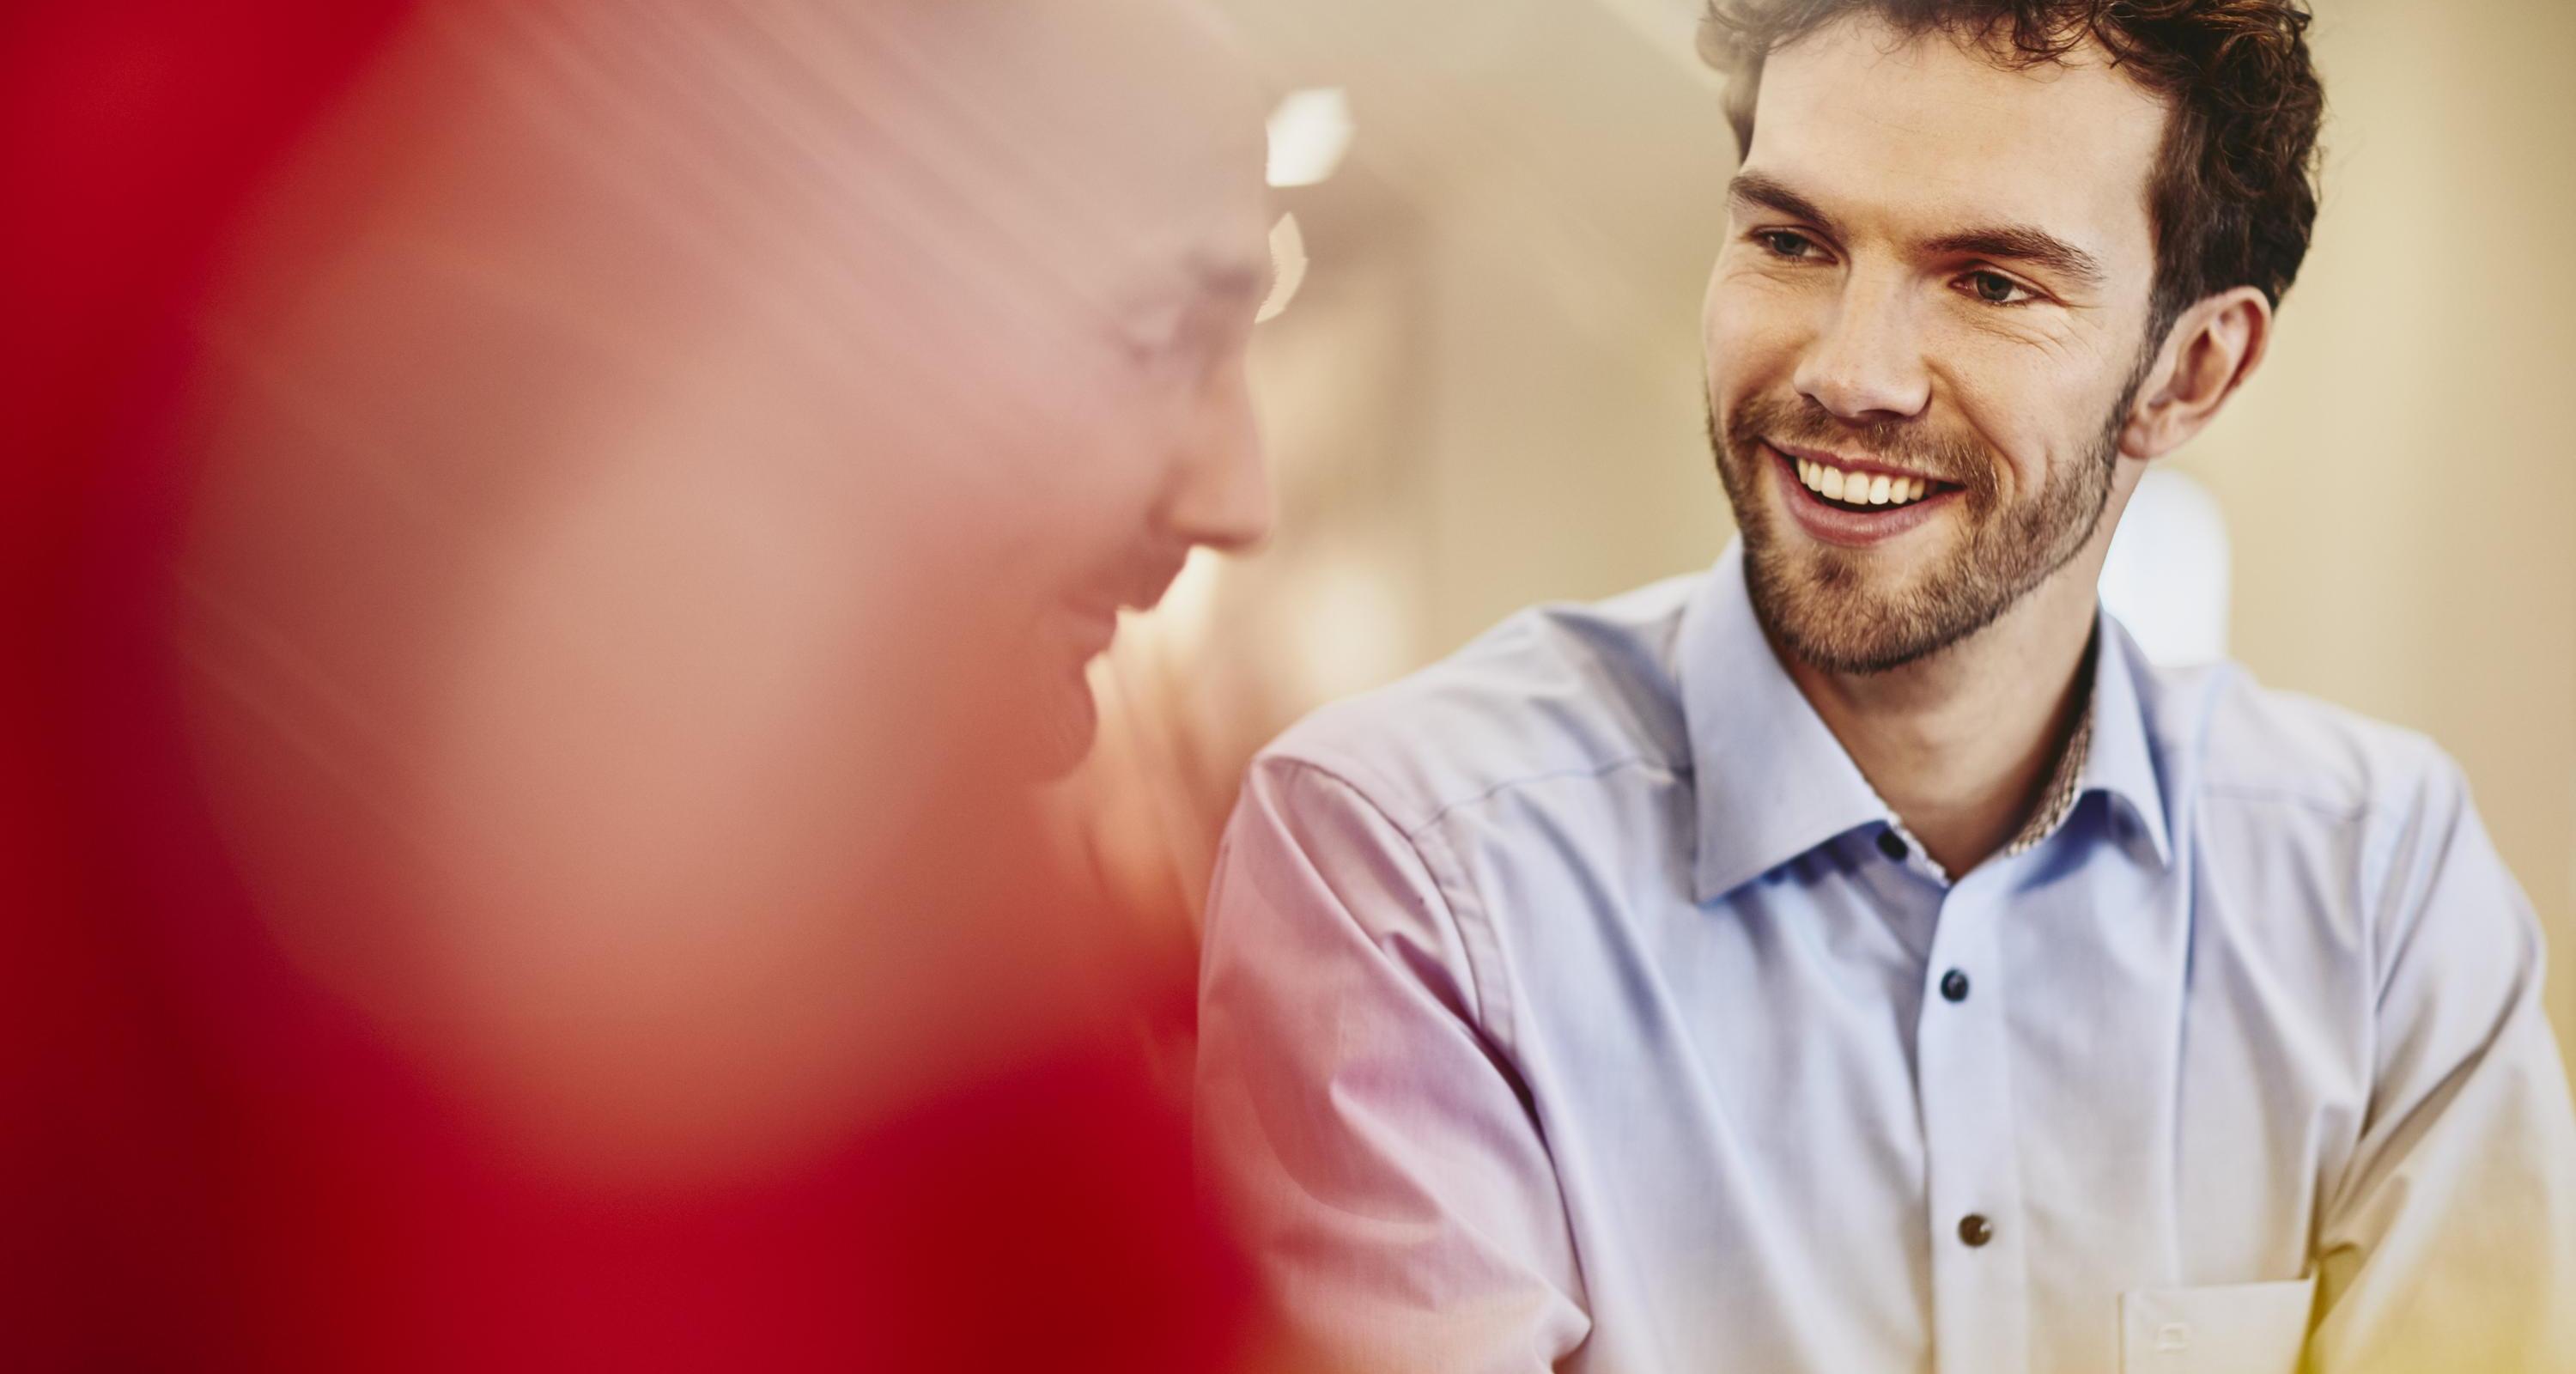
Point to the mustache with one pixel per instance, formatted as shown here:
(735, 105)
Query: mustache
(1897, 443)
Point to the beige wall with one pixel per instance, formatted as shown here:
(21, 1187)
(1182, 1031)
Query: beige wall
(2401, 479)
(1489, 397)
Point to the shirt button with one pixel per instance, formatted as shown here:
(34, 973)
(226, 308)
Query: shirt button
(1954, 986)
(1891, 846)
(1975, 1229)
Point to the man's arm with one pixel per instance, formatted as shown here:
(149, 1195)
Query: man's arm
(1367, 1138)
(2451, 1242)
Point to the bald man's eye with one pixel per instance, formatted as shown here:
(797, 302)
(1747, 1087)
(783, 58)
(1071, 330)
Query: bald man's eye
(1187, 348)
(1994, 288)
(1159, 342)
(1147, 348)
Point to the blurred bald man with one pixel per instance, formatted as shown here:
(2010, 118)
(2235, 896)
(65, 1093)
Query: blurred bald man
(642, 487)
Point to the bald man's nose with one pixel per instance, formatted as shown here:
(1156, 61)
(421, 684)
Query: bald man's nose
(1867, 364)
(1220, 483)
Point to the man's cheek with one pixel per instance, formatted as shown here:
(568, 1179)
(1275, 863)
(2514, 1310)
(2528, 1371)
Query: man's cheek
(1752, 335)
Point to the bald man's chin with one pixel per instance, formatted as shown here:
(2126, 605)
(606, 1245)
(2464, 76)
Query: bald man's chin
(1037, 732)
(1070, 725)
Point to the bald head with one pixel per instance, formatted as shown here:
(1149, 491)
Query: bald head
(652, 440)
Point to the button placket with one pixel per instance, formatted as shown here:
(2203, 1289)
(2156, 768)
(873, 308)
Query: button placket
(1972, 1180)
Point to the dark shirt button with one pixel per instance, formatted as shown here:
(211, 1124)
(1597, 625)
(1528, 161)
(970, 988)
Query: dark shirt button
(1975, 1229)
(1954, 985)
(1889, 845)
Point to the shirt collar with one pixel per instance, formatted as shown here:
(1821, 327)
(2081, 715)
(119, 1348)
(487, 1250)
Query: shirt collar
(2120, 763)
(2065, 783)
(1772, 782)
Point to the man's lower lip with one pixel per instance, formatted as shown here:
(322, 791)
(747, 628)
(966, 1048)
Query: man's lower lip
(1849, 529)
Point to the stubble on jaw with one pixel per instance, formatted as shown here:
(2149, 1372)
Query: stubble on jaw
(1815, 603)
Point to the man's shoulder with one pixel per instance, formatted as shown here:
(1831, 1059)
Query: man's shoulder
(2245, 743)
(1556, 690)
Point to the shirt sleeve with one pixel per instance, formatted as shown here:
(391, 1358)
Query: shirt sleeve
(1367, 1137)
(2450, 1242)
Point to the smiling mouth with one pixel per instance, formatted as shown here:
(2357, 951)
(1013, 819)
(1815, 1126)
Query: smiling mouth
(1859, 491)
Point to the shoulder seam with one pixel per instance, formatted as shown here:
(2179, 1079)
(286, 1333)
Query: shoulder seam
(1344, 772)
(2360, 810)
(1552, 775)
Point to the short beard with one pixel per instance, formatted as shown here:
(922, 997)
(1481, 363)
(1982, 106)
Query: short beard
(1812, 604)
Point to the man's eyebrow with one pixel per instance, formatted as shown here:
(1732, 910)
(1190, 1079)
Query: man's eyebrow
(1758, 189)
(1230, 278)
(2021, 243)
(2008, 242)
(1197, 282)
(1223, 271)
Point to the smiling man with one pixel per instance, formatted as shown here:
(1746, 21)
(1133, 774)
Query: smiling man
(1859, 957)
(569, 531)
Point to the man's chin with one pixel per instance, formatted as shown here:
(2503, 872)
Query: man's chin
(1044, 730)
(1067, 726)
(1008, 707)
(1841, 610)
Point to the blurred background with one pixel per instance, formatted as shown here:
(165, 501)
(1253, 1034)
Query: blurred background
(1486, 394)
(665, 997)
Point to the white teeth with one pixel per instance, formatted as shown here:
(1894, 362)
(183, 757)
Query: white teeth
(1860, 488)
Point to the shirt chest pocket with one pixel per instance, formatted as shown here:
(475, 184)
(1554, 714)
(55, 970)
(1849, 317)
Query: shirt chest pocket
(2237, 1328)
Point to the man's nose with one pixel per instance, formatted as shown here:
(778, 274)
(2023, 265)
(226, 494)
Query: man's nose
(1867, 364)
(1219, 493)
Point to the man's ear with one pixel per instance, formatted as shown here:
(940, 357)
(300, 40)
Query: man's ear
(2213, 347)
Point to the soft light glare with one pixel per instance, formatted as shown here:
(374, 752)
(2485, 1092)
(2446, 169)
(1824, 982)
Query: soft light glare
(1184, 621)
(1347, 633)
(1309, 132)
(1287, 267)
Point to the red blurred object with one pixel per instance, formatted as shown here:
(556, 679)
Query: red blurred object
(214, 1164)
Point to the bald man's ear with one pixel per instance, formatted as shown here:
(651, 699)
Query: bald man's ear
(2213, 347)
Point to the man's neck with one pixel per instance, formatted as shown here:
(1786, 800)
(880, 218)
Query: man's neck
(1961, 744)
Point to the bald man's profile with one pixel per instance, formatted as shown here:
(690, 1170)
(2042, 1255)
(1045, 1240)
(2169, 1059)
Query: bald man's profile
(642, 485)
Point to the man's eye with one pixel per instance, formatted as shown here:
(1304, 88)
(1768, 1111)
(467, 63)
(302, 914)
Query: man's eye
(1189, 352)
(1783, 243)
(1994, 288)
(1166, 344)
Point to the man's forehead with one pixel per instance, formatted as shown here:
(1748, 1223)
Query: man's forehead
(1931, 128)
(1131, 126)
(1146, 94)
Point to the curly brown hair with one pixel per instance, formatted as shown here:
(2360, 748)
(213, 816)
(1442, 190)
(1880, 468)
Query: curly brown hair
(2233, 197)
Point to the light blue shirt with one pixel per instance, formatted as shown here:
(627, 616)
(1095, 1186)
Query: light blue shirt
(1574, 1005)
